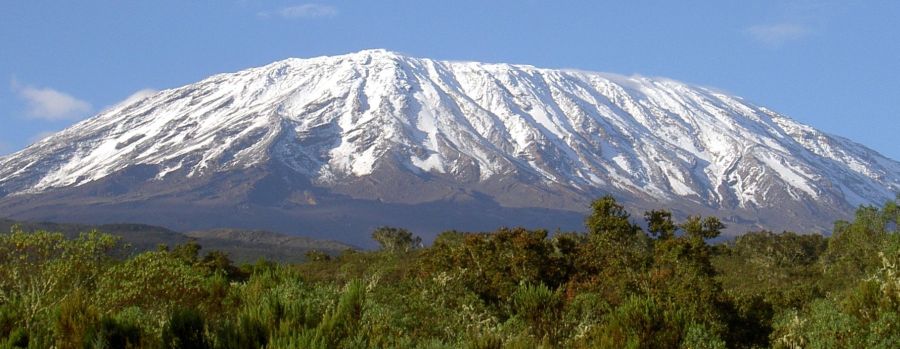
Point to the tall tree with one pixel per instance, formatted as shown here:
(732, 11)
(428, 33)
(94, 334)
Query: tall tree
(396, 240)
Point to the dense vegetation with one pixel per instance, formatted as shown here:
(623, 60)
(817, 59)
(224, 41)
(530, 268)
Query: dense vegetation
(617, 285)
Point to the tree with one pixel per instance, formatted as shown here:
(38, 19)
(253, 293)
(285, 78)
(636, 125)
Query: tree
(189, 251)
(682, 274)
(608, 217)
(660, 225)
(616, 253)
(316, 256)
(851, 249)
(37, 270)
(218, 262)
(396, 240)
(494, 264)
(703, 228)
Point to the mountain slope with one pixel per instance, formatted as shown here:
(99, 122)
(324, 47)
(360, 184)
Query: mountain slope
(378, 127)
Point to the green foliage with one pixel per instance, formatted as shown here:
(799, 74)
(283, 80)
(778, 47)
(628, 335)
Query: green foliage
(157, 282)
(540, 308)
(702, 228)
(317, 256)
(8, 319)
(17, 338)
(111, 333)
(639, 322)
(485, 341)
(493, 264)
(699, 337)
(849, 255)
(615, 255)
(857, 313)
(244, 332)
(188, 252)
(613, 286)
(343, 320)
(38, 270)
(682, 274)
(396, 240)
(767, 272)
(218, 262)
(75, 318)
(185, 330)
(608, 217)
(660, 225)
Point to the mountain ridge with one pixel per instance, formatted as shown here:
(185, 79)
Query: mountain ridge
(242, 246)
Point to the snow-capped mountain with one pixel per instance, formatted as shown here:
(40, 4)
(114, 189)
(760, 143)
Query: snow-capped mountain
(377, 126)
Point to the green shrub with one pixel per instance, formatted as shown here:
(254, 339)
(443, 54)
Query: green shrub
(17, 338)
(110, 333)
(541, 308)
(185, 330)
(75, 318)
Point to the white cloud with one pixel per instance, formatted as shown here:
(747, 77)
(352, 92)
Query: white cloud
(302, 11)
(40, 136)
(139, 95)
(50, 104)
(134, 97)
(778, 33)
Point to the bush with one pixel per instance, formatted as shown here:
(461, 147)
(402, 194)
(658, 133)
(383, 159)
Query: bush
(540, 308)
(110, 333)
(157, 282)
(185, 330)
(639, 322)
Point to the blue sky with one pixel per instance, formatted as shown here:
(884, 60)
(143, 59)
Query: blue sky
(832, 64)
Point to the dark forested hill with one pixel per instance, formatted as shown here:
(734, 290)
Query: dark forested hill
(240, 245)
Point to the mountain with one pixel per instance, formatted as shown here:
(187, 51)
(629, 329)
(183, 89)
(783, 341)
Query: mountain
(335, 146)
(241, 246)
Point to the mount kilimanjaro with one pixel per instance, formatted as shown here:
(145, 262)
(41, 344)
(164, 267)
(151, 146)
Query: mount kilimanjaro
(335, 146)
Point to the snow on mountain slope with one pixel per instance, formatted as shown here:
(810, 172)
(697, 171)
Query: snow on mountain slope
(335, 119)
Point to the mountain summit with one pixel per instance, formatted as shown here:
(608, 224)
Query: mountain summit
(341, 144)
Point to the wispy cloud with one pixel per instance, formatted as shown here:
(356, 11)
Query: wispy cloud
(40, 136)
(791, 21)
(132, 98)
(777, 34)
(139, 95)
(303, 11)
(49, 104)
